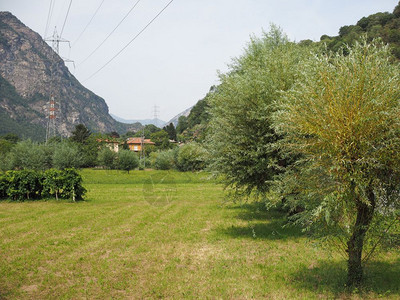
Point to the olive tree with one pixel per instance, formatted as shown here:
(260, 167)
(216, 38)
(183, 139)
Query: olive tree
(28, 155)
(127, 160)
(67, 155)
(107, 158)
(341, 119)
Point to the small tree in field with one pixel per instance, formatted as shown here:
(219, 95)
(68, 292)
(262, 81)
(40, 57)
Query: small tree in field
(127, 160)
(342, 120)
(107, 158)
(80, 134)
(67, 155)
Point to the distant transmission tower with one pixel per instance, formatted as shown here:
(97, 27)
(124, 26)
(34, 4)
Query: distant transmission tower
(142, 152)
(51, 129)
(53, 105)
(156, 110)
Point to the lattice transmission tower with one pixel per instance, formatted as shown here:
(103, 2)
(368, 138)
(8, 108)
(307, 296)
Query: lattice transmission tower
(54, 106)
(156, 110)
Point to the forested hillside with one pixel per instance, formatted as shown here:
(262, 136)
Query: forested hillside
(382, 25)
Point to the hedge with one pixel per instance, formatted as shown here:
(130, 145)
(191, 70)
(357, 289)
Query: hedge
(30, 185)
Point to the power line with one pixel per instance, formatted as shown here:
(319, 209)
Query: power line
(110, 33)
(134, 38)
(66, 16)
(49, 14)
(90, 21)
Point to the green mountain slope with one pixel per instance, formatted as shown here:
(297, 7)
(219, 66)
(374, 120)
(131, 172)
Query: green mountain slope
(382, 25)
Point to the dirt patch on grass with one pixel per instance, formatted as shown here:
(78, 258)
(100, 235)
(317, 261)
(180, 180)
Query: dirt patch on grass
(29, 288)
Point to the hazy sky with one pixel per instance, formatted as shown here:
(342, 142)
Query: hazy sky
(173, 63)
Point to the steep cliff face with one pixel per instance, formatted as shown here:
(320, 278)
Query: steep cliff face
(30, 72)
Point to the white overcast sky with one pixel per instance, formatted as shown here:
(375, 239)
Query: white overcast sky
(174, 62)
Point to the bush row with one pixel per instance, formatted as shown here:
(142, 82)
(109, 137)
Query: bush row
(31, 184)
(33, 156)
(189, 157)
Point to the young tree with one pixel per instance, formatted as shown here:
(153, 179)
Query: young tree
(191, 157)
(127, 160)
(170, 129)
(67, 155)
(107, 158)
(80, 134)
(28, 155)
(164, 160)
(342, 119)
(241, 133)
(161, 140)
(182, 124)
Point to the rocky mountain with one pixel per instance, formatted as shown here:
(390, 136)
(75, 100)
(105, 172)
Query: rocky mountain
(175, 119)
(30, 73)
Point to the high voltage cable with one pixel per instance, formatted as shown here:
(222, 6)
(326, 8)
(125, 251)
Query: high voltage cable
(134, 38)
(90, 21)
(66, 16)
(49, 14)
(110, 33)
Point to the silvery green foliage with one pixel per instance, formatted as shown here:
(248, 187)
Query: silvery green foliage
(241, 136)
(107, 158)
(67, 155)
(191, 157)
(29, 155)
(127, 160)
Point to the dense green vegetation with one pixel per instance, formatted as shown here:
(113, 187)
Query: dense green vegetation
(32, 185)
(194, 126)
(166, 234)
(382, 25)
(323, 129)
(85, 149)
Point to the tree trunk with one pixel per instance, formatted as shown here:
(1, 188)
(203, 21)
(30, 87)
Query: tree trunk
(365, 213)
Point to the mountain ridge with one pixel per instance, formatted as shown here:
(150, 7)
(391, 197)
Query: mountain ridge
(31, 72)
(156, 122)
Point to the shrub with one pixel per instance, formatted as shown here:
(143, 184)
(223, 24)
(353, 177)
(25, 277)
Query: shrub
(241, 133)
(52, 183)
(191, 157)
(28, 155)
(30, 184)
(3, 187)
(127, 160)
(165, 160)
(67, 155)
(24, 184)
(72, 185)
(107, 158)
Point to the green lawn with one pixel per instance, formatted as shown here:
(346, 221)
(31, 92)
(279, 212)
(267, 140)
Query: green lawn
(152, 234)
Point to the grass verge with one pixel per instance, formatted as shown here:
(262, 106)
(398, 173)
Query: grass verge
(152, 234)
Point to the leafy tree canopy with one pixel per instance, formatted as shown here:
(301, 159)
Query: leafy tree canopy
(382, 25)
(241, 132)
(342, 118)
(80, 134)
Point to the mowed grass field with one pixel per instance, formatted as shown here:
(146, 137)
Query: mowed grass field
(153, 234)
